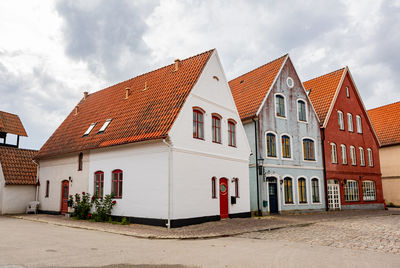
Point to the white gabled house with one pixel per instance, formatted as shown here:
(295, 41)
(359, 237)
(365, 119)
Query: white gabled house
(169, 144)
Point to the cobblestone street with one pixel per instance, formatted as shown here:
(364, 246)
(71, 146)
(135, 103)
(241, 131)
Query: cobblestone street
(381, 233)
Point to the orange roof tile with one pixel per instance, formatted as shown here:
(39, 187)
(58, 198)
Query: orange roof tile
(10, 123)
(250, 89)
(17, 165)
(386, 122)
(147, 113)
(323, 89)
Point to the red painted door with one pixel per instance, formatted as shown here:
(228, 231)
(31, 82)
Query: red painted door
(64, 196)
(223, 198)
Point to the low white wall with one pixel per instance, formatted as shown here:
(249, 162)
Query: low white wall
(192, 192)
(56, 170)
(145, 177)
(17, 197)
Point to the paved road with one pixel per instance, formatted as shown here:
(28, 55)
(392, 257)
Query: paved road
(34, 244)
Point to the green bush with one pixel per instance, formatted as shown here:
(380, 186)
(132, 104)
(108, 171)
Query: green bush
(124, 221)
(102, 207)
(82, 206)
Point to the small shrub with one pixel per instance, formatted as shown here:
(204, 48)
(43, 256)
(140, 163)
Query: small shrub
(103, 207)
(82, 206)
(124, 221)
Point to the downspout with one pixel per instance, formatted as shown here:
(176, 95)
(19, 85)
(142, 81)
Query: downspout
(323, 161)
(256, 145)
(37, 179)
(169, 181)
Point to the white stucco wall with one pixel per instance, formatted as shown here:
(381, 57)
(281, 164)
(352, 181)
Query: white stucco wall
(16, 198)
(145, 177)
(56, 170)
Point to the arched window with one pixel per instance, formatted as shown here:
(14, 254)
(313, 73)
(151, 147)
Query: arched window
(216, 129)
(232, 133)
(351, 192)
(301, 111)
(286, 147)
(302, 190)
(353, 155)
(340, 120)
(344, 154)
(350, 122)
(236, 181)
(198, 124)
(288, 188)
(359, 125)
(362, 157)
(370, 157)
(280, 106)
(315, 190)
(333, 153)
(369, 191)
(116, 186)
(271, 145)
(99, 183)
(80, 161)
(308, 149)
(214, 187)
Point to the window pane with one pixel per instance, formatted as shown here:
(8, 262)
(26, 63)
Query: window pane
(301, 106)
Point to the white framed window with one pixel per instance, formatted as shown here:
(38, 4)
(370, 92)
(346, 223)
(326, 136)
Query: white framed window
(369, 191)
(288, 190)
(302, 187)
(359, 125)
(104, 126)
(350, 122)
(301, 111)
(333, 153)
(347, 92)
(308, 149)
(92, 125)
(315, 190)
(353, 155)
(270, 139)
(362, 156)
(280, 107)
(351, 192)
(340, 120)
(286, 148)
(344, 154)
(370, 157)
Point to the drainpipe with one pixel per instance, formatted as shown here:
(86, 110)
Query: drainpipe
(256, 145)
(37, 180)
(323, 161)
(169, 181)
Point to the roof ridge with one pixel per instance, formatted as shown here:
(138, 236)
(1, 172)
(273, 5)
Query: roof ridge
(9, 113)
(389, 104)
(260, 67)
(152, 71)
(324, 74)
(14, 148)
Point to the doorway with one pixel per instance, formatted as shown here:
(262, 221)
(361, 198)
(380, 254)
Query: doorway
(333, 197)
(64, 196)
(273, 196)
(223, 198)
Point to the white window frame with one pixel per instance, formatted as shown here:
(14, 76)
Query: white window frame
(351, 191)
(369, 190)
(353, 156)
(297, 190)
(305, 110)
(340, 120)
(284, 104)
(90, 128)
(359, 124)
(276, 145)
(333, 153)
(319, 190)
(362, 156)
(290, 144)
(344, 154)
(105, 125)
(293, 191)
(370, 157)
(315, 149)
(350, 122)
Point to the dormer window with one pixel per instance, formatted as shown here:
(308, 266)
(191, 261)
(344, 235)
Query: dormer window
(105, 125)
(92, 125)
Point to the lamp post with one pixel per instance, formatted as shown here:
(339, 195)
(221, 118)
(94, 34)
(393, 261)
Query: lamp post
(260, 166)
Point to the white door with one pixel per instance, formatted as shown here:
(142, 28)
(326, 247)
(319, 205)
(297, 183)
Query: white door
(334, 196)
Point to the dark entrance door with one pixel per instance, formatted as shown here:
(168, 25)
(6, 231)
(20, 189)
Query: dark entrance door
(273, 197)
(64, 196)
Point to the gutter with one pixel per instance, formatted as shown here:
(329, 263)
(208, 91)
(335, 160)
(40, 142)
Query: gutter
(37, 179)
(257, 179)
(170, 159)
(323, 161)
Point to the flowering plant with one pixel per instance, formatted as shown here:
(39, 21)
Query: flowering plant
(103, 207)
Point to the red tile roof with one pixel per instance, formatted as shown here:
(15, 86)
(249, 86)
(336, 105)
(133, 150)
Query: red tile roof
(147, 114)
(386, 122)
(10, 123)
(250, 89)
(17, 165)
(323, 89)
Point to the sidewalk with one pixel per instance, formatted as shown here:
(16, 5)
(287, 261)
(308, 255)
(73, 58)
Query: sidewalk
(223, 228)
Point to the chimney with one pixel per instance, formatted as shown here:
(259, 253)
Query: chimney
(85, 95)
(76, 109)
(145, 86)
(177, 61)
(127, 92)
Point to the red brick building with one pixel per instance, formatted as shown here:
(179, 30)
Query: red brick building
(351, 147)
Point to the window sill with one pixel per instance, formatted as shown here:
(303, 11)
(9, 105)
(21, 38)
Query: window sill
(220, 143)
(234, 146)
(202, 139)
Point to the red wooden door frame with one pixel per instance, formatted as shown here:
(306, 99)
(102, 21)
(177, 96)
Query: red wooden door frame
(64, 201)
(223, 198)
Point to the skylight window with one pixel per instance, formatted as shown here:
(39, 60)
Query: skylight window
(92, 125)
(105, 125)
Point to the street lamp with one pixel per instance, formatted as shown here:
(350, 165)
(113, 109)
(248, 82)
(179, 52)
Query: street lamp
(260, 166)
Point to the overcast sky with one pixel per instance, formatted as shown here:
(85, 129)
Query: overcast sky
(53, 51)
